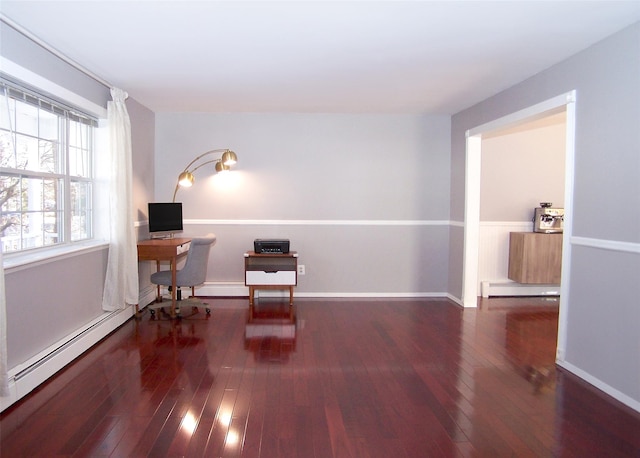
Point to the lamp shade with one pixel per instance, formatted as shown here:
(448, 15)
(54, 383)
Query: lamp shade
(186, 179)
(222, 167)
(229, 158)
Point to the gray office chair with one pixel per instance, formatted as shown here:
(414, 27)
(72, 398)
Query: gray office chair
(192, 274)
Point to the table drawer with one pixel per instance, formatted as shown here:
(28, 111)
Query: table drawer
(260, 277)
(270, 263)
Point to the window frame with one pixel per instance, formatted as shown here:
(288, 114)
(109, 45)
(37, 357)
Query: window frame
(85, 110)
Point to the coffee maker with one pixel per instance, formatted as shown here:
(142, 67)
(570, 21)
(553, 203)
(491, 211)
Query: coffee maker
(547, 219)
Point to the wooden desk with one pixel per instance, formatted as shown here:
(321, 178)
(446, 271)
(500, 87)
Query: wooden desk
(164, 250)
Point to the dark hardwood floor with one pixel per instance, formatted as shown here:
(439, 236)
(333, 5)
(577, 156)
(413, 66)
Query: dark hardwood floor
(342, 378)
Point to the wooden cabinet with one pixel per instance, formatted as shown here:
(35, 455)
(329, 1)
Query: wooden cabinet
(535, 257)
(270, 271)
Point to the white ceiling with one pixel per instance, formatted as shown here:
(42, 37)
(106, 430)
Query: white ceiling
(318, 56)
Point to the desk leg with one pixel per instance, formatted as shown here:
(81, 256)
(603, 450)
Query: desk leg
(158, 296)
(251, 292)
(290, 295)
(173, 289)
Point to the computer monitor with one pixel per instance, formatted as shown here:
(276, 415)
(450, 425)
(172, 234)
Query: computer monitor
(165, 217)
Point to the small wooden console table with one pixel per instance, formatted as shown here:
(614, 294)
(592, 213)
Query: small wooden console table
(270, 271)
(164, 250)
(535, 257)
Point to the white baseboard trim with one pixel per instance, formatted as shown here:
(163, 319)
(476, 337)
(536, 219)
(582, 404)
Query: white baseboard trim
(222, 289)
(147, 296)
(379, 295)
(238, 289)
(209, 289)
(455, 299)
(599, 384)
(509, 288)
(25, 377)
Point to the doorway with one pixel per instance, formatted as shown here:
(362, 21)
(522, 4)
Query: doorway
(521, 167)
(563, 103)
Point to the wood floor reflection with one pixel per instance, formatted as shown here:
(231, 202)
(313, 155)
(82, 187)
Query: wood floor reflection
(334, 378)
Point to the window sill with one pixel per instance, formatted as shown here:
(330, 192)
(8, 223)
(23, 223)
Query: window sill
(20, 261)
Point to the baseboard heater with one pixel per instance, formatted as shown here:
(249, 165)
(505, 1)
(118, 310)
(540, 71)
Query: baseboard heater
(26, 377)
(56, 351)
(507, 288)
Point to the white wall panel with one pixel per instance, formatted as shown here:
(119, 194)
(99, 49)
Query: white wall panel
(493, 256)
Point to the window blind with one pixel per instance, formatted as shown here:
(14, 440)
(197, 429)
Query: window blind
(18, 92)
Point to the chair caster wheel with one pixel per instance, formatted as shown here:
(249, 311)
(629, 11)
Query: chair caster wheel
(208, 310)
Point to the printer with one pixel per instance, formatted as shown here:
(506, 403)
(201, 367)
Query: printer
(272, 246)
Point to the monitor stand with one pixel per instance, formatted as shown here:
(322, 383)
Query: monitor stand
(162, 236)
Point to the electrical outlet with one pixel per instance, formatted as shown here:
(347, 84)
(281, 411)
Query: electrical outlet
(301, 270)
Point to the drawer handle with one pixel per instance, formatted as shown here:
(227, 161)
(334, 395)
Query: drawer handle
(270, 271)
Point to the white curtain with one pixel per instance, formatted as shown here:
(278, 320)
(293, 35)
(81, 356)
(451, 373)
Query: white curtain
(4, 377)
(121, 282)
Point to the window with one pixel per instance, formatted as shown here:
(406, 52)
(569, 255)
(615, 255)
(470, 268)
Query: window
(46, 171)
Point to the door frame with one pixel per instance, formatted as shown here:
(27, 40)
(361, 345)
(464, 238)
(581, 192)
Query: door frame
(564, 102)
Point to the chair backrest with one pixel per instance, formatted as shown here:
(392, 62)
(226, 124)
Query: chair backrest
(194, 271)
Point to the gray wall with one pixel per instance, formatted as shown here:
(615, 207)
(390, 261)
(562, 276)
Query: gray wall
(522, 168)
(143, 150)
(27, 54)
(363, 198)
(603, 315)
(48, 301)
